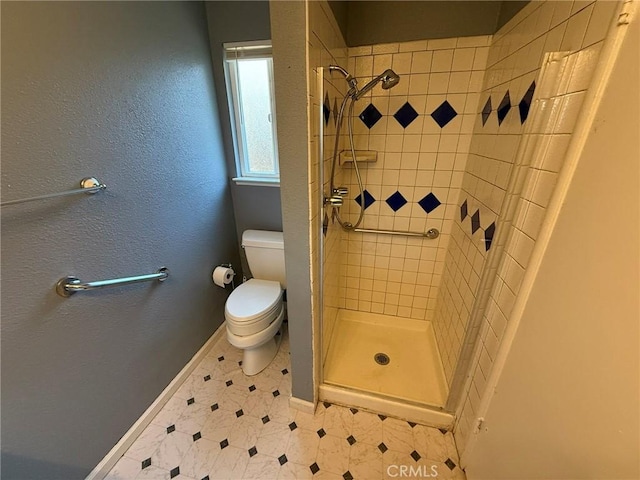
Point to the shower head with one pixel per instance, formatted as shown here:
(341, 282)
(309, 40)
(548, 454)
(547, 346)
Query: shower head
(389, 79)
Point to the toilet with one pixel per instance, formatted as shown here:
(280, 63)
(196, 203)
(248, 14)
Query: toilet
(254, 311)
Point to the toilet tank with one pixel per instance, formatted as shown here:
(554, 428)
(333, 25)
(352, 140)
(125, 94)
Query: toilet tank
(265, 255)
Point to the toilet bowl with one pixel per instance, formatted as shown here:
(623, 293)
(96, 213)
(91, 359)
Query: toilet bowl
(255, 310)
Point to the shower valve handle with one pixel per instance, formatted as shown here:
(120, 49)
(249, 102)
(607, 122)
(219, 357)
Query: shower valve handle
(333, 201)
(341, 191)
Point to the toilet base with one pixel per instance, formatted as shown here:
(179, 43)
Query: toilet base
(257, 359)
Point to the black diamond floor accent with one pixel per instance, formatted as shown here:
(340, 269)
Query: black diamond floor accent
(321, 433)
(240, 363)
(282, 459)
(464, 210)
(239, 413)
(214, 407)
(368, 199)
(504, 107)
(415, 455)
(253, 451)
(326, 404)
(475, 222)
(354, 410)
(293, 426)
(197, 436)
(205, 477)
(370, 116)
(146, 463)
(443, 431)
(525, 103)
(405, 115)
(275, 393)
(171, 428)
(396, 201)
(174, 472)
(411, 424)
(266, 419)
(326, 108)
(207, 378)
(314, 468)
(220, 359)
(351, 440)
(429, 203)
(228, 383)
(285, 371)
(486, 111)
(382, 417)
(224, 443)
(449, 463)
(252, 388)
(347, 475)
(382, 447)
(444, 114)
(488, 236)
(191, 401)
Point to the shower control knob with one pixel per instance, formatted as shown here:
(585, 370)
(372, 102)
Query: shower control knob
(342, 191)
(333, 201)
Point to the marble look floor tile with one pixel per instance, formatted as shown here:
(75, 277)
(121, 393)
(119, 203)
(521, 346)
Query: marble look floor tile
(170, 452)
(262, 467)
(303, 446)
(153, 473)
(125, 469)
(338, 421)
(367, 428)
(258, 403)
(433, 444)
(199, 460)
(397, 435)
(230, 464)
(193, 418)
(170, 413)
(274, 438)
(280, 410)
(218, 426)
(294, 471)
(245, 431)
(333, 454)
(308, 421)
(147, 443)
(365, 462)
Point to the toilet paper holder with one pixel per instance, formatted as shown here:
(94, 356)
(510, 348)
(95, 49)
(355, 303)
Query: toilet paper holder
(233, 274)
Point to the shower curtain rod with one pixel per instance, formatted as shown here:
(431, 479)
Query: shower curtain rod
(431, 234)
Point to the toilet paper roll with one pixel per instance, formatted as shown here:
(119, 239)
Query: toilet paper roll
(222, 276)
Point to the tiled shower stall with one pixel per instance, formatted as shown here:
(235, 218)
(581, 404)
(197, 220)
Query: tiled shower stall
(469, 142)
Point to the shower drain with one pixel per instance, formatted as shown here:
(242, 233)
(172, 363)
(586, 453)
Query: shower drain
(381, 358)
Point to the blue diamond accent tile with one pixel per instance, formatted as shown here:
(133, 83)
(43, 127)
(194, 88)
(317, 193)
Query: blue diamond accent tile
(396, 201)
(475, 222)
(368, 199)
(525, 103)
(444, 114)
(504, 107)
(405, 115)
(489, 232)
(464, 210)
(326, 109)
(429, 203)
(486, 111)
(370, 116)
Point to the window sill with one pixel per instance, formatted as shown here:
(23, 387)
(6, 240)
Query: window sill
(257, 181)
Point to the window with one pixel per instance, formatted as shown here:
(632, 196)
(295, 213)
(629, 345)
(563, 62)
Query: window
(249, 76)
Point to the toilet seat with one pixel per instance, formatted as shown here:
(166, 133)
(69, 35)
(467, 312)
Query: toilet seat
(253, 306)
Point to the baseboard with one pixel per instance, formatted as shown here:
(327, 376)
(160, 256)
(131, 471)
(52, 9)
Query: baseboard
(107, 463)
(302, 405)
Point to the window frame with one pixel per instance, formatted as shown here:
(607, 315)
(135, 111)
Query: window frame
(234, 51)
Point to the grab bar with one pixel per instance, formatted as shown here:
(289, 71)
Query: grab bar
(88, 185)
(67, 286)
(430, 234)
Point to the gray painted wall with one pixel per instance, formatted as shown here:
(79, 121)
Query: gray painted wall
(372, 22)
(254, 207)
(122, 91)
(288, 28)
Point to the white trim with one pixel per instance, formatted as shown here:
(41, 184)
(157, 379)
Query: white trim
(111, 458)
(302, 405)
(257, 181)
(392, 408)
(594, 94)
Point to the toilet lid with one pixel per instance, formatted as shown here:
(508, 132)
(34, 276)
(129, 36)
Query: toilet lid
(253, 299)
